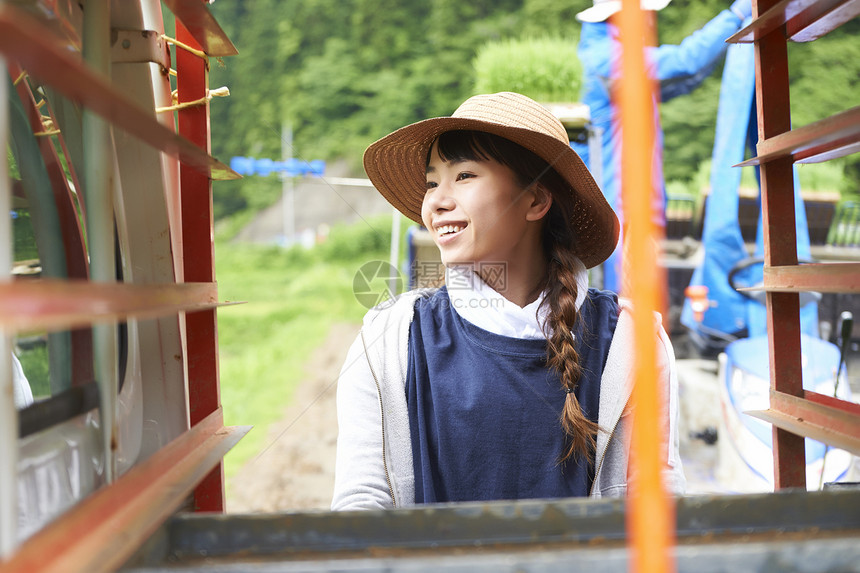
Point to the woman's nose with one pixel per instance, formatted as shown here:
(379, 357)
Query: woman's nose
(439, 198)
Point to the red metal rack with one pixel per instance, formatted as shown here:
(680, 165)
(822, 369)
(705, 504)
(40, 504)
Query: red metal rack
(138, 501)
(795, 413)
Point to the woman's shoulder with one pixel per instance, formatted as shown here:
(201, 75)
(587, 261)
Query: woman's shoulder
(603, 296)
(624, 329)
(400, 307)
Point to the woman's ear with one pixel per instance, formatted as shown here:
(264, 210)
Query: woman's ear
(541, 202)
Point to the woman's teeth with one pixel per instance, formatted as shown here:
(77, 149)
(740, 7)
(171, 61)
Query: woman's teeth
(446, 229)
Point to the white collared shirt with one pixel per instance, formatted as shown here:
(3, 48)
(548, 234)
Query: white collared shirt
(477, 302)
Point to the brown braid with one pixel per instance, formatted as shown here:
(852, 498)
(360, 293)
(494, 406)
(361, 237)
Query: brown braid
(562, 356)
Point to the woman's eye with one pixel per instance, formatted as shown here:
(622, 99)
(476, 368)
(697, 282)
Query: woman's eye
(431, 185)
(461, 176)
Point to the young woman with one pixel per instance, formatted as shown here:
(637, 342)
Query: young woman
(513, 380)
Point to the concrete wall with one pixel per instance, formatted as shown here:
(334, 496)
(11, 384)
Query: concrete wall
(317, 202)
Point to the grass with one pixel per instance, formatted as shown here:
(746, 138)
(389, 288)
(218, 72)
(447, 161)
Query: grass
(293, 298)
(542, 68)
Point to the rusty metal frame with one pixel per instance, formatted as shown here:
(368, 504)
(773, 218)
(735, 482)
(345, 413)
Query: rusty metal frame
(804, 20)
(816, 277)
(37, 50)
(780, 246)
(139, 46)
(199, 22)
(834, 422)
(58, 305)
(106, 528)
(830, 138)
(198, 258)
(794, 412)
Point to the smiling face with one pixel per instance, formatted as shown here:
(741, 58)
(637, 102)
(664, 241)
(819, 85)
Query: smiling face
(477, 211)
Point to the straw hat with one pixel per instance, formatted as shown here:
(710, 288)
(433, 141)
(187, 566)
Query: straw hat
(603, 9)
(396, 164)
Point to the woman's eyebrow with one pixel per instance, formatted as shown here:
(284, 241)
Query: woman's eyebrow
(430, 168)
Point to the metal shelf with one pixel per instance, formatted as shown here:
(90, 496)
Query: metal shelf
(830, 138)
(36, 305)
(200, 22)
(25, 39)
(804, 20)
(135, 505)
(829, 420)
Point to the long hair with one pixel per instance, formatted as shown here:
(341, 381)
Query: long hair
(558, 240)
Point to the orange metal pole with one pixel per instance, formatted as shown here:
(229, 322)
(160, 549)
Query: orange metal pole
(650, 520)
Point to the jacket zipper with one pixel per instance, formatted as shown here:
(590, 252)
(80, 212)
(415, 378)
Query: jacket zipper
(606, 449)
(382, 417)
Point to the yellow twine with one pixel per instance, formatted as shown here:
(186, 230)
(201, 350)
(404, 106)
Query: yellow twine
(186, 47)
(223, 91)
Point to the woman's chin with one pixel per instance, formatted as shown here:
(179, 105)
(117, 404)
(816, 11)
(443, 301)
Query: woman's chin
(452, 259)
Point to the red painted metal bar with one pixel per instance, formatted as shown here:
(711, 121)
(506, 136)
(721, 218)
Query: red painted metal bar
(833, 402)
(836, 426)
(830, 138)
(129, 511)
(24, 39)
(780, 245)
(804, 20)
(829, 277)
(809, 27)
(33, 305)
(198, 259)
(201, 24)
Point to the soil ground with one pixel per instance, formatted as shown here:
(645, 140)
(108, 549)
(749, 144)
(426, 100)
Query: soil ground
(295, 470)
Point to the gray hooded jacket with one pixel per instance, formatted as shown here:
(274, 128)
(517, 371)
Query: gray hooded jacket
(374, 449)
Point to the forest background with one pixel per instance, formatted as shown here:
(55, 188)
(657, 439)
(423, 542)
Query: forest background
(343, 73)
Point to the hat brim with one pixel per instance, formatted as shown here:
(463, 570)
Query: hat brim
(602, 11)
(396, 165)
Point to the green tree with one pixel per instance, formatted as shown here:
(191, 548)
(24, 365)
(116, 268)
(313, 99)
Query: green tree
(346, 72)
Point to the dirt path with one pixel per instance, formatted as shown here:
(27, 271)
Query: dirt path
(296, 469)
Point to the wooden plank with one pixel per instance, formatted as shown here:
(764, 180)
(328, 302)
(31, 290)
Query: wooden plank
(130, 510)
(25, 39)
(836, 426)
(818, 277)
(830, 138)
(202, 26)
(43, 304)
(804, 20)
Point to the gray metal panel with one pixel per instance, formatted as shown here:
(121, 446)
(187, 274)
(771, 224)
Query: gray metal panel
(787, 531)
(840, 554)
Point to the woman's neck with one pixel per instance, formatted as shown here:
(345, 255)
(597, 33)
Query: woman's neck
(521, 282)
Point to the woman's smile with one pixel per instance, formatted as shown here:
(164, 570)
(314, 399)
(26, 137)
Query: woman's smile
(448, 232)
